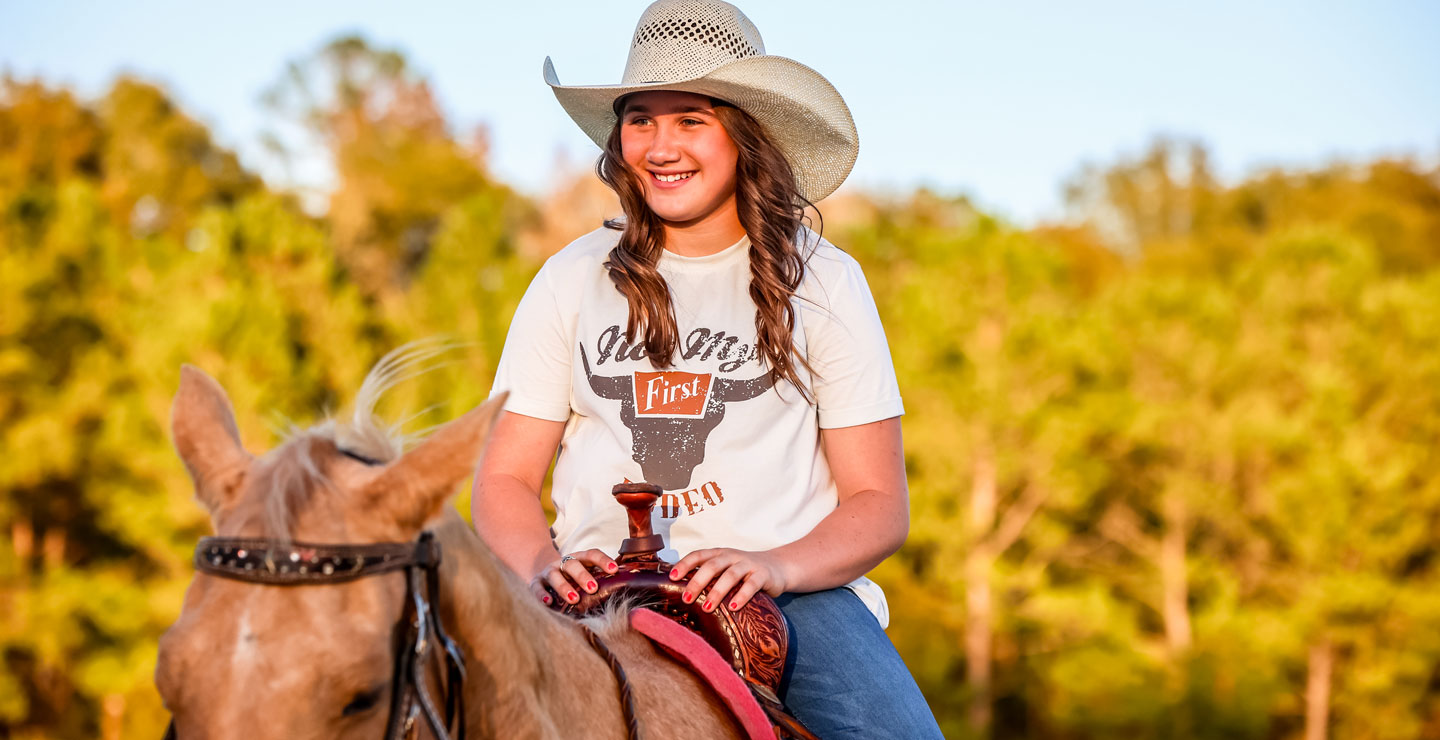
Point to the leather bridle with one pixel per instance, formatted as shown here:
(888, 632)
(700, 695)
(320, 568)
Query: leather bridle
(279, 563)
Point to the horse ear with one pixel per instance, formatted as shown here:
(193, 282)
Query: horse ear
(414, 487)
(203, 424)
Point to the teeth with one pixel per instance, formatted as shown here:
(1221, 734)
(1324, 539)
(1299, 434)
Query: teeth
(673, 178)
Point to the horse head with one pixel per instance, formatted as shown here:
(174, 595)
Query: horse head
(250, 660)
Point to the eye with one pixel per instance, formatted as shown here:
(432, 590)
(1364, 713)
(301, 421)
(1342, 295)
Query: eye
(692, 122)
(638, 121)
(363, 702)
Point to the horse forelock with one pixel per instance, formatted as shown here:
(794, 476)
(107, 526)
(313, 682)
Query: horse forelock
(364, 432)
(290, 477)
(291, 473)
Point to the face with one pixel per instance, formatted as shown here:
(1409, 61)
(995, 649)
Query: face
(316, 658)
(246, 660)
(677, 146)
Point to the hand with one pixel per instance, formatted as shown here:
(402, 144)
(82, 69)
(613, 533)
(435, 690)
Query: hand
(723, 569)
(567, 576)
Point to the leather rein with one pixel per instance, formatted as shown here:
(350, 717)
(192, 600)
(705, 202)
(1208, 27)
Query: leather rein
(276, 563)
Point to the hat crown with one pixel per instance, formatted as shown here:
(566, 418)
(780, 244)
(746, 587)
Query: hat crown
(685, 39)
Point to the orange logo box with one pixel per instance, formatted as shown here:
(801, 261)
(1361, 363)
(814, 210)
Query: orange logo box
(671, 393)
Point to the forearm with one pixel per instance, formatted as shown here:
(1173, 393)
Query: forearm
(863, 530)
(509, 518)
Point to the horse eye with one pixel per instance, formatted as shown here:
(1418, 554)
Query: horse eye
(363, 701)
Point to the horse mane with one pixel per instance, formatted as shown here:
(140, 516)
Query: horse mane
(295, 476)
(613, 617)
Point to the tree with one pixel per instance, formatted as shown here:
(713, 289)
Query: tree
(99, 313)
(979, 317)
(398, 169)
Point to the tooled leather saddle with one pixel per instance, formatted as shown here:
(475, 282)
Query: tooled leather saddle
(754, 640)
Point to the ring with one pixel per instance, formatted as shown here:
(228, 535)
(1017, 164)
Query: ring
(566, 559)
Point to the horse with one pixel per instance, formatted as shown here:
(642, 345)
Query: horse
(249, 659)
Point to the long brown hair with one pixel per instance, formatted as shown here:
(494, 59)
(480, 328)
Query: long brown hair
(771, 210)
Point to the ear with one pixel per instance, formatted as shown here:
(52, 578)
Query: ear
(203, 424)
(414, 487)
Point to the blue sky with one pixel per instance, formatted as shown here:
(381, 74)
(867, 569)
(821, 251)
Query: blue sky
(1001, 101)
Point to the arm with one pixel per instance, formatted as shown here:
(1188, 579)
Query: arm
(505, 506)
(846, 346)
(869, 523)
(871, 518)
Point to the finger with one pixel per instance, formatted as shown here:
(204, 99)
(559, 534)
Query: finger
(727, 580)
(691, 562)
(703, 575)
(597, 558)
(742, 595)
(578, 574)
(537, 587)
(566, 590)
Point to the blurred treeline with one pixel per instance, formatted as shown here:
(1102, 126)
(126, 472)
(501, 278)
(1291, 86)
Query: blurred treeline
(1173, 466)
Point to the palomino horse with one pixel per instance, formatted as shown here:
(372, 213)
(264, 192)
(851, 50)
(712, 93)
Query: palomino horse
(258, 660)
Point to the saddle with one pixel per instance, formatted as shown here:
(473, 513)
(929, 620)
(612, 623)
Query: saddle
(754, 640)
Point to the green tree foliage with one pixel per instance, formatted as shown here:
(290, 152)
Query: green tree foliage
(1172, 465)
(398, 168)
(103, 301)
(1201, 502)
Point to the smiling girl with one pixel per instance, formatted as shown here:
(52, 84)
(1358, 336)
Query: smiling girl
(712, 344)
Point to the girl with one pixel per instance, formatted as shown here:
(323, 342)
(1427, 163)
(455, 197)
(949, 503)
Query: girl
(711, 344)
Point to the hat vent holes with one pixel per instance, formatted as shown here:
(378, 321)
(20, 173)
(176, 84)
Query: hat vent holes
(706, 33)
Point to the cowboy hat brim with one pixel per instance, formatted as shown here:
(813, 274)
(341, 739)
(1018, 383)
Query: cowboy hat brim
(801, 112)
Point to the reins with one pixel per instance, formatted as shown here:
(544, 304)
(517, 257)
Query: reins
(627, 698)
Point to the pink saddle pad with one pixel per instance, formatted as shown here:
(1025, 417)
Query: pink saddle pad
(692, 650)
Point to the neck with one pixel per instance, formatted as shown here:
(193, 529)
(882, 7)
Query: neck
(530, 672)
(705, 235)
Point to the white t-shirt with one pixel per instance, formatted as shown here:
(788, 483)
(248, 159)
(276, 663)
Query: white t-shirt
(738, 456)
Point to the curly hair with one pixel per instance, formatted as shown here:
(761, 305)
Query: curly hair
(771, 210)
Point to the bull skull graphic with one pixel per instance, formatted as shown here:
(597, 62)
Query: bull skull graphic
(669, 446)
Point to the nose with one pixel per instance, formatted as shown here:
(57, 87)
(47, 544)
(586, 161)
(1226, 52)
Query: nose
(664, 146)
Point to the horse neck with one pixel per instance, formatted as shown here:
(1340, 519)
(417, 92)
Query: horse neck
(530, 672)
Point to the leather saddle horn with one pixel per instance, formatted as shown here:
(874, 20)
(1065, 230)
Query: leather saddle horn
(753, 639)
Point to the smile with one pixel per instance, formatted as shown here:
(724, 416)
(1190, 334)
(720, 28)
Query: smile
(672, 178)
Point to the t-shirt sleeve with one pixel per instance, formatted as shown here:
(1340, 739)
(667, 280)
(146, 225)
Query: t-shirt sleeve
(535, 363)
(855, 378)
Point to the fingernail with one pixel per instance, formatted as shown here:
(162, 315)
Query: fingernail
(734, 606)
(573, 597)
(590, 587)
(709, 605)
(687, 598)
(674, 573)
(545, 599)
(611, 566)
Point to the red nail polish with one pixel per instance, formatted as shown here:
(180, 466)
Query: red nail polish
(674, 572)
(734, 606)
(611, 566)
(545, 599)
(573, 597)
(687, 598)
(590, 586)
(709, 605)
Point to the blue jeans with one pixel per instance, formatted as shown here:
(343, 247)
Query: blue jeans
(843, 678)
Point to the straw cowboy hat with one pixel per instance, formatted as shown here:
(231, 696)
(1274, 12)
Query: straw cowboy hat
(709, 47)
